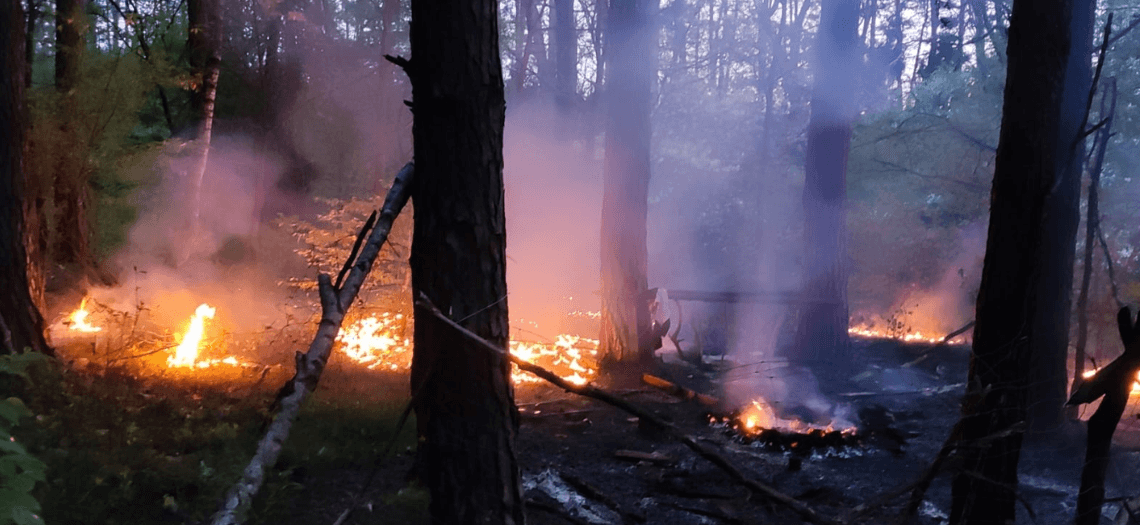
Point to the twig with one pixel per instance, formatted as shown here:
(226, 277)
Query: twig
(355, 249)
(593, 392)
(310, 365)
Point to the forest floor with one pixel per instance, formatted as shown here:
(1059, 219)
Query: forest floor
(125, 448)
(574, 451)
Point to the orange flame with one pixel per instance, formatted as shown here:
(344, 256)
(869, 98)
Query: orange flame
(759, 415)
(187, 353)
(78, 319)
(377, 342)
(1135, 384)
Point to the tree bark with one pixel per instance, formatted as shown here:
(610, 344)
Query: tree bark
(204, 40)
(71, 195)
(1092, 224)
(821, 334)
(565, 54)
(1008, 299)
(21, 324)
(464, 400)
(625, 193)
(33, 19)
(1049, 358)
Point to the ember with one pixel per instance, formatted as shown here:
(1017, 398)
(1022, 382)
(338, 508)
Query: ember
(1135, 385)
(907, 336)
(758, 423)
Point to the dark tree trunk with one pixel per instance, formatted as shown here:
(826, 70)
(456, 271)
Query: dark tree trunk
(1049, 356)
(21, 324)
(565, 54)
(625, 194)
(33, 19)
(1092, 224)
(73, 235)
(821, 335)
(1008, 300)
(465, 410)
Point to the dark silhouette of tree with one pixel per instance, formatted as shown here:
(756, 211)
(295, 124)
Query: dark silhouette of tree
(821, 335)
(624, 256)
(1025, 172)
(565, 54)
(21, 324)
(464, 399)
(72, 196)
(1048, 362)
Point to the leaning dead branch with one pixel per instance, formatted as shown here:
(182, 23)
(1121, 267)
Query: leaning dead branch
(334, 302)
(806, 512)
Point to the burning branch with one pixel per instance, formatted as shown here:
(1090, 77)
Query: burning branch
(334, 303)
(588, 390)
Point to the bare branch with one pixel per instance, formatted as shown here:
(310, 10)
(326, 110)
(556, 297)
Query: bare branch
(311, 364)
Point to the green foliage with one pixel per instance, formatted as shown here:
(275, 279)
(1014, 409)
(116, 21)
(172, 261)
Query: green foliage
(20, 471)
(125, 450)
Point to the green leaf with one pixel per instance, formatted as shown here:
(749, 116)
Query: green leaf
(11, 499)
(11, 447)
(23, 484)
(13, 409)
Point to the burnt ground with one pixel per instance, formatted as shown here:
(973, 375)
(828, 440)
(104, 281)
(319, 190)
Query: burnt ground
(574, 453)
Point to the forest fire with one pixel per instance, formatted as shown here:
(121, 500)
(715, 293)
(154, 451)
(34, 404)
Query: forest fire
(870, 331)
(1088, 374)
(186, 355)
(757, 423)
(379, 342)
(77, 321)
(759, 415)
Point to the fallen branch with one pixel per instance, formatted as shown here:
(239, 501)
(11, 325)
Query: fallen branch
(310, 365)
(588, 390)
(958, 332)
(674, 389)
(596, 494)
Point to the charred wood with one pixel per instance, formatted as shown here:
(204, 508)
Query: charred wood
(676, 390)
(803, 510)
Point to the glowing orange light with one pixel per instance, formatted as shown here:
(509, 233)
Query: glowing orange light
(77, 321)
(187, 353)
(1135, 385)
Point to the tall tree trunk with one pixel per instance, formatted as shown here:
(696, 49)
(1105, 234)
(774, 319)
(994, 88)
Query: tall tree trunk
(1049, 357)
(821, 334)
(464, 402)
(33, 19)
(21, 324)
(625, 193)
(565, 54)
(204, 40)
(71, 196)
(1024, 174)
(1092, 224)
